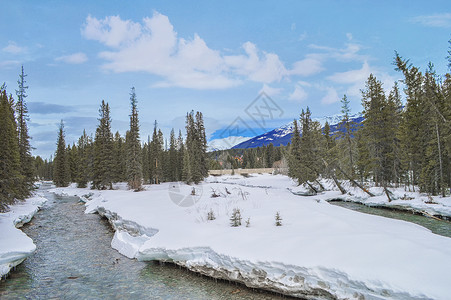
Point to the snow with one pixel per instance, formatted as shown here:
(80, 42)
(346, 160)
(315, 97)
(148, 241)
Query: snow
(320, 252)
(16, 246)
(225, 143)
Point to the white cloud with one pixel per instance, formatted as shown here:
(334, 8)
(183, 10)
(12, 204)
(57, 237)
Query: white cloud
(331, 96)
(299, 94)
(349, 53)
(76, 58)
(438, 20)
(270, 91)
(264, 67)
(111, 31)
(154, 47)
(356, 79)
(309, 66)
(13, 48)
(352, 76)
(349, 36)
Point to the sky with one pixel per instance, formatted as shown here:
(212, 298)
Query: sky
(248, 66)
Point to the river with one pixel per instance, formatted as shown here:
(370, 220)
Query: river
(74, 260)
(440, 227)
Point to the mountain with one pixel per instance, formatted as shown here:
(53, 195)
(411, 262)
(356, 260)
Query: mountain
(225, 143)
(282, 136)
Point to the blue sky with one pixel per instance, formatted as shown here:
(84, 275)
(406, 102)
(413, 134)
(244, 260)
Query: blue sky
(211, 56)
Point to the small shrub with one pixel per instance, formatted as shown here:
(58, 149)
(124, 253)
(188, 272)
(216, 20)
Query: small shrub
(248, 222)
(211, 215)
(235, 219)
(193, 192)
(278, 219)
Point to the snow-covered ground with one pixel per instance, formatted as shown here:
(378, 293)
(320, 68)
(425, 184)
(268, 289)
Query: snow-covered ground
(321, 251)
(16, 246)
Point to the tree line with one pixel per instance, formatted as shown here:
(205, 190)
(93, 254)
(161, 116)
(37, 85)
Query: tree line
(397, 144)
(17, 172)
(106, 158)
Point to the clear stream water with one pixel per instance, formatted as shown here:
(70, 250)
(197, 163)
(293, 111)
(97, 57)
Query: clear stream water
(440, 227)
(74, 260)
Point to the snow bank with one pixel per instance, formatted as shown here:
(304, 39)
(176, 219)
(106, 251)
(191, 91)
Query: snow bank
(15, 245)
(321, 251)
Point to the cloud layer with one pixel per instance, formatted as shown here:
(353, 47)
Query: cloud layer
(153, 46)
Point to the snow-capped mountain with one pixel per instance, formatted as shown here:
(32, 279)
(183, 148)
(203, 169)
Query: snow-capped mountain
(225, 143)
(282, 136)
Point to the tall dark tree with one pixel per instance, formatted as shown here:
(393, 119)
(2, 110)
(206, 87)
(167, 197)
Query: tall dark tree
(173, 164)
(119, 157)
(84, 149)
(26, 160)
(11, 180)
(346, 141)
(133, 157)
(103, 148)
(294, 163)
(61, 175)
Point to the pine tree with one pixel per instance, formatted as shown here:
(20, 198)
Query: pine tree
(84, 146)
(133, 162)
(74, 162)
(119, 158)
(172, 157)
(155, 156)
(294, 164)
(12, 186)
(180, 155)
(346, 142)
(103, 147)
(26, 160)
(61, 175)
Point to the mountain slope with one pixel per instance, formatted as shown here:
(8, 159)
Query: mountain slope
(282, 136)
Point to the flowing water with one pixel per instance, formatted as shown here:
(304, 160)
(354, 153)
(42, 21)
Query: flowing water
(74, 260)
(440, 227)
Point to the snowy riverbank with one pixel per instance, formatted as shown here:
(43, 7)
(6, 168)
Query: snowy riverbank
(320, 252)
(16, 246)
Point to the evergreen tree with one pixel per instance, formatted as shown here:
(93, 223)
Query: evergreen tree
(61, 175)
(155, 155)
(26, 161)
(74, 162)
(346, 142)
(84, 148)
(172, 157)
(133, 162)
(103, 148)
(294, 163)
(119, 158)
(180, 156)
(12, 185)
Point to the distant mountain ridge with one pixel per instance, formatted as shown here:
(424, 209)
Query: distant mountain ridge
(282, 136)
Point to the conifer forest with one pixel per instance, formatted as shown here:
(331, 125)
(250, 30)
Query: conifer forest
(404, 140)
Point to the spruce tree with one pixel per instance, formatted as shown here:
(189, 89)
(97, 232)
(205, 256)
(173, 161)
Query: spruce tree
(84, 146)
(133, 161)
(26, 160)
(119, 157)
(12, 186)
(61, 175)
(103, 148)
(346, 141)
(172, 157)
(294, 163)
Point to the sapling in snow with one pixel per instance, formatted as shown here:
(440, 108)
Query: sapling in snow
(278, 219)
(235, 219)
(211, 215)
(248, 222)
